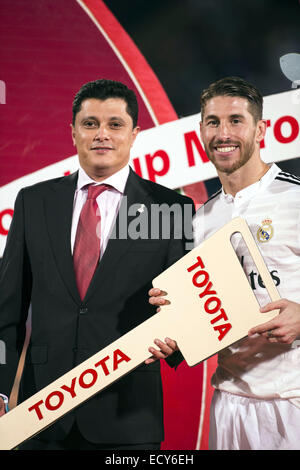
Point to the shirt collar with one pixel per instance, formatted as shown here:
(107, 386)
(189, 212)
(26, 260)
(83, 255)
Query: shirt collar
(248, 192)
(117, 180)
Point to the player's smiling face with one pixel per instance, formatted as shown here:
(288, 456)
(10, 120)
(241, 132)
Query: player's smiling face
(228, 132)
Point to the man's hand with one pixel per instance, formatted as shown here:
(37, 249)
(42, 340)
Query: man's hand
(2, 407)
(156, 297)
(285, 327)
(169, 346)
(165, 350)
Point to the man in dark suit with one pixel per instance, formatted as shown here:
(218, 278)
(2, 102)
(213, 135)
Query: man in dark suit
(83, 301)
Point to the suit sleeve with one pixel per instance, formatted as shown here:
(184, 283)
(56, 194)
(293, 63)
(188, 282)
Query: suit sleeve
(15, 293)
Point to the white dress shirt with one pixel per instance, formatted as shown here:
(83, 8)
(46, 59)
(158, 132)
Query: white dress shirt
(108, 202)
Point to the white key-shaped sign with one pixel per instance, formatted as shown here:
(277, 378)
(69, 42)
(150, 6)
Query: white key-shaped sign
(211, 306)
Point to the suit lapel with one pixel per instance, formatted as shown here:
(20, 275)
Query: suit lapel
(59, 210)
(136, 193)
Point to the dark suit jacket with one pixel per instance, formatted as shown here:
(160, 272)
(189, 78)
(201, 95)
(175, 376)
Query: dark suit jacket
(37, 267)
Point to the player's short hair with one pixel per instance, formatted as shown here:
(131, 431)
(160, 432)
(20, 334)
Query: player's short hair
(103, 89)
(235, 86)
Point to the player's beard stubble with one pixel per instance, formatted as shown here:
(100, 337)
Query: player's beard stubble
(230, 164)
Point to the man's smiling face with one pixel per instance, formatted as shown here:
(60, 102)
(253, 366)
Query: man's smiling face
(103, 134)
(228, 132)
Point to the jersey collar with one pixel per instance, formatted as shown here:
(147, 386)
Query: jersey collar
(250, 191)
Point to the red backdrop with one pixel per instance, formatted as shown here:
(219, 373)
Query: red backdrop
(51, 49)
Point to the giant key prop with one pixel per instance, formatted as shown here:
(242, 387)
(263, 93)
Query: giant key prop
(212, 306)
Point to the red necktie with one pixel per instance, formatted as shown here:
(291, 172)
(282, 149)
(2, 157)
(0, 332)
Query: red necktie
(87, 242)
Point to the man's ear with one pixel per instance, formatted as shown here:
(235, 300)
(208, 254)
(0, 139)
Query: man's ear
(135, 132)
(261, 128)
(200, 127)
(73, 134)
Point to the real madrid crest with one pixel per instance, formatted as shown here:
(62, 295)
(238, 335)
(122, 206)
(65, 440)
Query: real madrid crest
(265, 231)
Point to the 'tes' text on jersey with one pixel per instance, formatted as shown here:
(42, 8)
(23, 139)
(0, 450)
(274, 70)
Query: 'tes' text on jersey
(256, 280)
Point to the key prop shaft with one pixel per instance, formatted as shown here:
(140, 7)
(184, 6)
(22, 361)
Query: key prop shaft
(211, 306)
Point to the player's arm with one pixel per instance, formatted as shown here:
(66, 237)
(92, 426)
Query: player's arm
(285, 327)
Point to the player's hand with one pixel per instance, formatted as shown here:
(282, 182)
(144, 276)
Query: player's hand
(156, 297)
(2, 407)
(285, 327)
(165, 350)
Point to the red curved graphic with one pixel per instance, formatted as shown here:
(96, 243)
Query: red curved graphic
(137, 67)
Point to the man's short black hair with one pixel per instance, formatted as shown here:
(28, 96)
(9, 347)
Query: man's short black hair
(235, 86)
(102, 90)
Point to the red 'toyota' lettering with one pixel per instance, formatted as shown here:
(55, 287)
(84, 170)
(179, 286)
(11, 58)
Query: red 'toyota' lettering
(212, 304)
(86, 379)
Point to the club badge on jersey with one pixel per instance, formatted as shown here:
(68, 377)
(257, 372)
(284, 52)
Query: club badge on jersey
(265, 231)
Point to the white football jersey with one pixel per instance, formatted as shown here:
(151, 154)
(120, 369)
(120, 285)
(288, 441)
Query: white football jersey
(254, 366)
